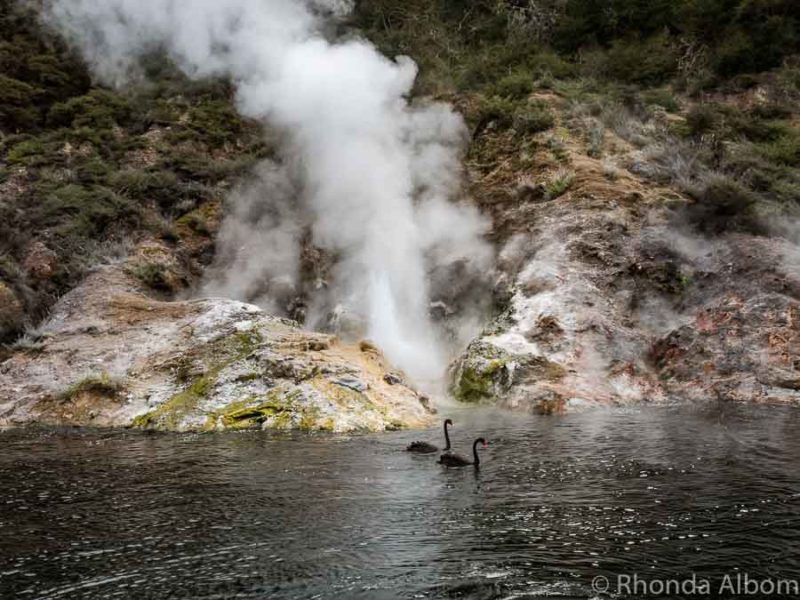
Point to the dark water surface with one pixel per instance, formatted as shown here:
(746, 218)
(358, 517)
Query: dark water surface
(558, 501)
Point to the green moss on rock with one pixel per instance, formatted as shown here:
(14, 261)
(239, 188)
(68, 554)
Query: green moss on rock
(169, 415)
(248, 414)
(482, 374)
(220, 354)
(101, 385)
(476, 380)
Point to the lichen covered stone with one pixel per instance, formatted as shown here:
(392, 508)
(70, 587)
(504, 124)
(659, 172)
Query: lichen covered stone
(202, 365)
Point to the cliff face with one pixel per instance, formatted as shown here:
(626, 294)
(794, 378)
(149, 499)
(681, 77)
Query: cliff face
(112, 356)
(645, 223)
(615, 299)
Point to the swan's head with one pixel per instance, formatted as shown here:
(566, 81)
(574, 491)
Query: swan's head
(482, 442)
(448, 422)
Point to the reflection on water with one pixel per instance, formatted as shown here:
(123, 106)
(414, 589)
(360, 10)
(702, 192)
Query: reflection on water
(662, 493)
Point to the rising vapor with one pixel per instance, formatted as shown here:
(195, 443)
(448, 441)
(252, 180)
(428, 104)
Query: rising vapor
(376, 173)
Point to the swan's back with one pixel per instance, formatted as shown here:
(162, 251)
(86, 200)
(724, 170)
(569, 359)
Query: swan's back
(454, 460)
(421, 448)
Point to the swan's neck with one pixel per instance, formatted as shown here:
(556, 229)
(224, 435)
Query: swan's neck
(476, 460)
(446, 437)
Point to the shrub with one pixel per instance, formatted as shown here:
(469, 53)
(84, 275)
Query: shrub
(661, 97)
(160, 186)
(28, 343)
(213, 122)
(37, 69)
(44, 149)
(627, 124)
(517, 84)
(199, 166)
(497, 110)
(153, 275)
(785, 150)
(26, 152)
(722, 205)
(94, 170)
(652, 61)
(531, 118)
(85, 211)
(544, 64)
(702, 119)
(561, 181)
(17, 104)
(596, 138)
(771, 110)
(758, 41)
(99, 109)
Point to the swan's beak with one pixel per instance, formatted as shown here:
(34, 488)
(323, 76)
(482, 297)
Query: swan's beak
(485, 444)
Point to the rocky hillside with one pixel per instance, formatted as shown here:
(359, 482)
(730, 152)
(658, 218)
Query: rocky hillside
(110, 355)
(641, 172)
(87, 172)
(642, 178)
(618, 293)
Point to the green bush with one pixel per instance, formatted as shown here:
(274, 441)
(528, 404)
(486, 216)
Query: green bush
(517, 84)
(211, 122)
(142, 183)
(702, 119)
(93, 170)
(532, 117)
(545, 63)
(37, 68)
(153, 275)
(651, 62)
(35, 151)
(558, 185)
(497, 110)
(99, 109)
(661, 97)
(18, 104)
(785, 150)
(758, 41)
(160, 186)
(770, 110)
(85, 212)
(723, 205)
(26, 152)
(200, 167)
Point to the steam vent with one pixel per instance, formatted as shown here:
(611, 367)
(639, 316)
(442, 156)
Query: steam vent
(383, 299)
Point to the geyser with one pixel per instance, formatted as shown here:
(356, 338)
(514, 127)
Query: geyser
(376, 174)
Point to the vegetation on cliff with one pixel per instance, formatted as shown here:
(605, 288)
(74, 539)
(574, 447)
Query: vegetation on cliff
(86, 171)
(661, 183)
(681, 111)
(726, 73)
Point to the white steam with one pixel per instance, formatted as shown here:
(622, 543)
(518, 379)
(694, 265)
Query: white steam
(376, 173)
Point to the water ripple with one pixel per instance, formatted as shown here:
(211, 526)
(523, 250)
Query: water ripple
(88, 514)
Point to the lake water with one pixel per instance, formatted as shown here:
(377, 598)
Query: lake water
(654, 493)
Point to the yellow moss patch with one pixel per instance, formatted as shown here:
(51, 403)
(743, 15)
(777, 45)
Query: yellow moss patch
(169, 414)
(225, 352)
(342, 396)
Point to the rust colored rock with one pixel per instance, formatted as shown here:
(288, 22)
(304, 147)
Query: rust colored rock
(11, 312)
(40, 262)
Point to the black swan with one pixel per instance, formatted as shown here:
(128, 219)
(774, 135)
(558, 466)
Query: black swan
(456, 460)
(427, 448)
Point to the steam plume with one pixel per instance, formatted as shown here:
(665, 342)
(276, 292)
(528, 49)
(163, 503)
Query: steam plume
(376, 173)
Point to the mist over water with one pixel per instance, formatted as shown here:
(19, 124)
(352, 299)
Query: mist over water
(371, 174)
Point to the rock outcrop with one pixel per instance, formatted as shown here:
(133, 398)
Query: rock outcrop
(611, 301)
(112, 356)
